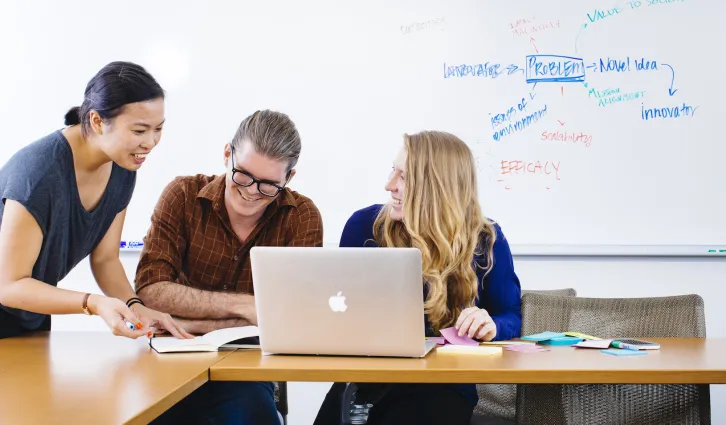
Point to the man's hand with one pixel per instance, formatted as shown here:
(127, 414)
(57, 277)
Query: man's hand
(476, 323)
(247, 311)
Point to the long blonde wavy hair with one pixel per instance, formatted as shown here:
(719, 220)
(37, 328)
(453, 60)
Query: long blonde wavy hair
(443, 219)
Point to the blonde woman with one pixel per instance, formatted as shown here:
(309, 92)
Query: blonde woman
(469, 278)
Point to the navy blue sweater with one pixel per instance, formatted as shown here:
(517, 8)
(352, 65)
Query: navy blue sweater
(499, 291)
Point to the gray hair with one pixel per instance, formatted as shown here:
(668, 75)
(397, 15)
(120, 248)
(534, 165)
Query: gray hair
(273, 134)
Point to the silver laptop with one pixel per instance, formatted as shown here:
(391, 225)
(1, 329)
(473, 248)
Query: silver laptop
(340, 301)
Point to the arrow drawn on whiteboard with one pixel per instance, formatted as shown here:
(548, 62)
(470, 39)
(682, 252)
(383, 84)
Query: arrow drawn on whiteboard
(671, 92)
(578, 35)
(531, 40)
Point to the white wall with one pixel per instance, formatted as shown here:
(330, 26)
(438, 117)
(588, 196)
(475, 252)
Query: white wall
(591, 277)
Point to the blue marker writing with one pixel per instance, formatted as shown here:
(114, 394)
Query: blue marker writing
(132, 244)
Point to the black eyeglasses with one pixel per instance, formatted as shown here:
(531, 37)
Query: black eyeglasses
(245, 179)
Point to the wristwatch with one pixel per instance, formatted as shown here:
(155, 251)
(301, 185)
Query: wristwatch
(85, 304)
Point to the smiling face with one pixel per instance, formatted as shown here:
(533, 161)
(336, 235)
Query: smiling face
(129, 137)
(396, 185)
(247, 167)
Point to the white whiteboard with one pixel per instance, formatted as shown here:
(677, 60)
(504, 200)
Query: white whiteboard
(355, 76)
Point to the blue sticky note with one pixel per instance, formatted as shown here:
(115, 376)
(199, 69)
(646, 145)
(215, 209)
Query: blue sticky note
(543, 336)
(563, 340)
(623, 352)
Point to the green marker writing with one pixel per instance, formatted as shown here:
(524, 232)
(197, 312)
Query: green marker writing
(711, 250)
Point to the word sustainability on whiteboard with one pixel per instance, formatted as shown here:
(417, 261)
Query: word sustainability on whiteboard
(520, 116)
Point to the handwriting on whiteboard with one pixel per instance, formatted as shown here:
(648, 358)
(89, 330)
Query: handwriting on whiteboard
(540, 124)
(519, 124)
(611, 96)
(487, 69)
(438, 24)
(571, 137)
(554, 68)
(682, 111)
(528, 27)
(598, 15)
(517, 166)
(519, 107)
(626, 64)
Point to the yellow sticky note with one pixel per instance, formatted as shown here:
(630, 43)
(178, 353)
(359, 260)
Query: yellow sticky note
(480, 350)
(581, 335)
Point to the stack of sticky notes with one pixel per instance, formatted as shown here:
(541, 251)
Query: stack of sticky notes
(455, 344)
(604, 346)
(596, 343)
(623, 352)
(526, 348)
(582, 335)
(451, 335)
(552, 338)
(482, 350)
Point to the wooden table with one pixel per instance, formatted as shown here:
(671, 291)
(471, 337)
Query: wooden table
(679, 361)
(93, 378)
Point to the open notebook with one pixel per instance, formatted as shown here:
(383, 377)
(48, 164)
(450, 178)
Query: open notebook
(221, 339)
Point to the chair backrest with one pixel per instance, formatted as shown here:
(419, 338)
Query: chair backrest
(281, 399)
(564, 292)
(499, 400)
(674, 316)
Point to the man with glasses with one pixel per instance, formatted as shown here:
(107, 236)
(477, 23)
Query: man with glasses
(195, 262)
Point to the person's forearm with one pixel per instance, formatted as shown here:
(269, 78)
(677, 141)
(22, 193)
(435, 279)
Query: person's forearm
(33, 295)
(202, 326)
(184, 301)
(112, 279)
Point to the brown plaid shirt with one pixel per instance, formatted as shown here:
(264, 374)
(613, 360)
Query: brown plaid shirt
(191, 241)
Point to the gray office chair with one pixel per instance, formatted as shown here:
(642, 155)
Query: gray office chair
(281, 400)
(675, 316)
(497, 402)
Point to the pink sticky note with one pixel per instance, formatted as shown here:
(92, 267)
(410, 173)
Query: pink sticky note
(526, 348)
(452, 336)
(438, 339)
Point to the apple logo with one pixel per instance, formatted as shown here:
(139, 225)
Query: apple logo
(337, 302)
